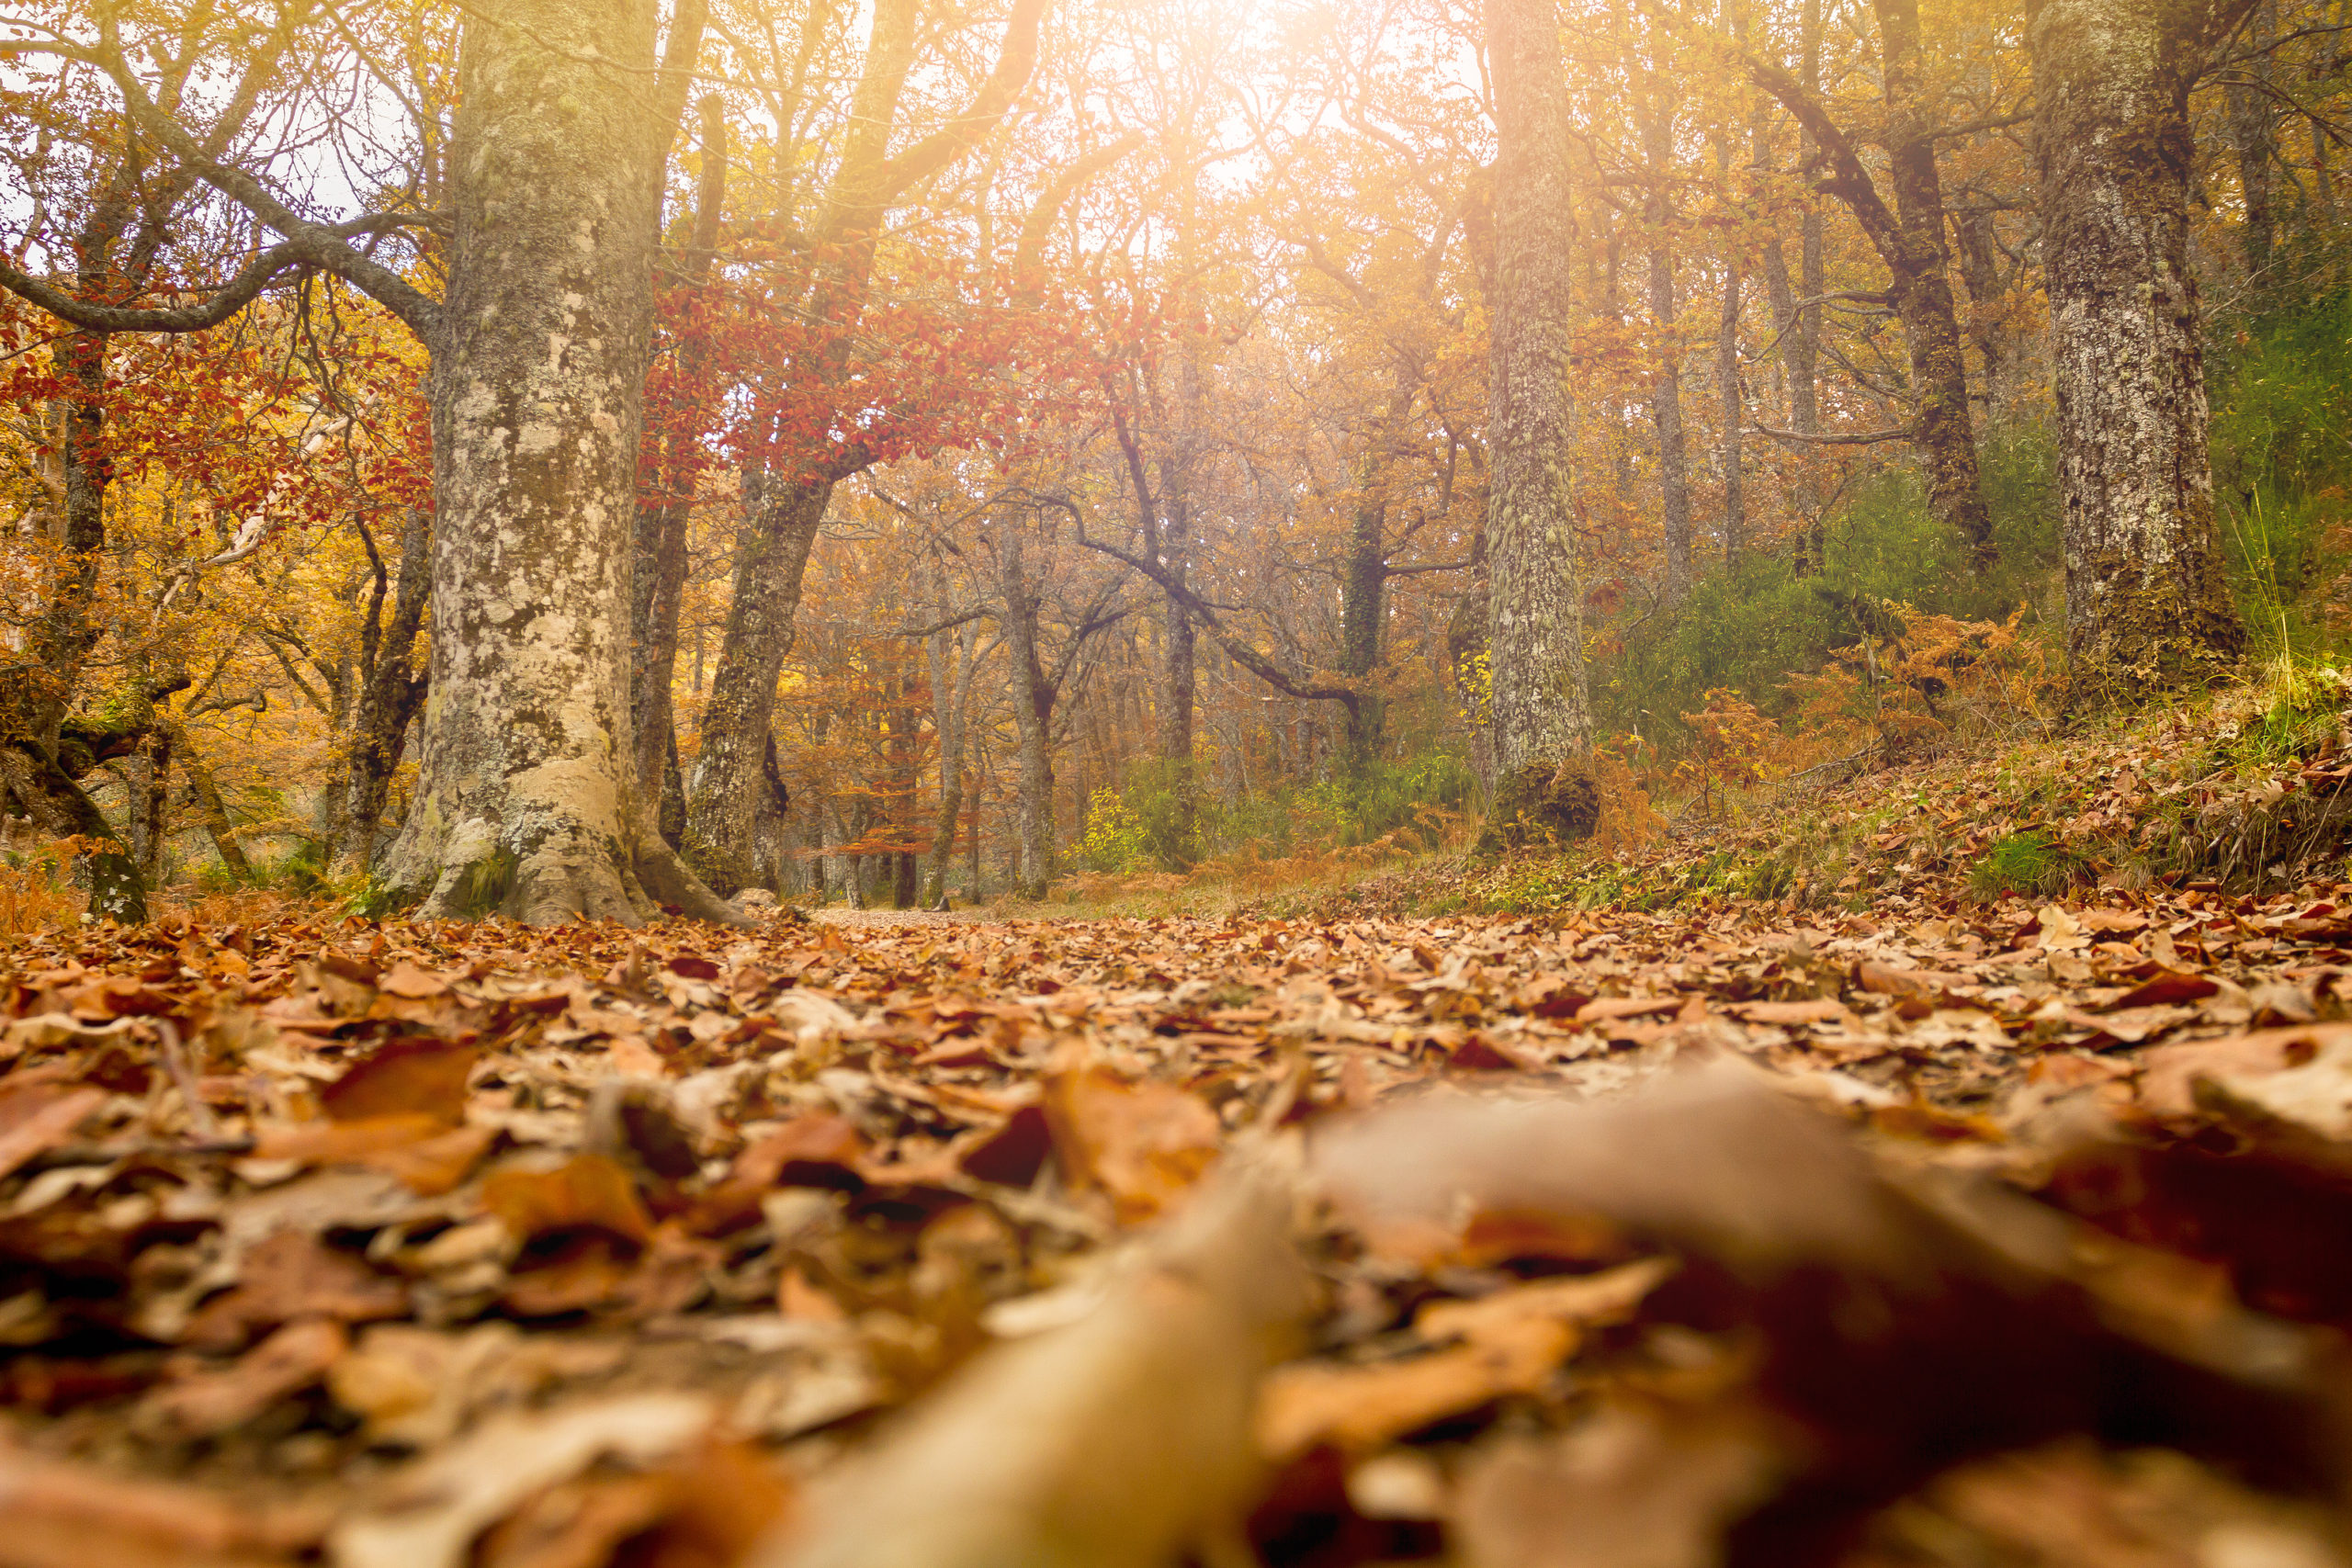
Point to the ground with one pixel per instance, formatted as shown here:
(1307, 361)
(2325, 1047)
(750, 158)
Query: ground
(1940, 1229)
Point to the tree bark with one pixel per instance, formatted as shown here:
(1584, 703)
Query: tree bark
(2254, 136)
(1535, 602)
(663, 513)
(1909, 240)
(529, 804)
(2146, 604)
(1922, 293)
(785, 508)
(1665, 395)
(1033, 711)
(724, 795)
(388, 697)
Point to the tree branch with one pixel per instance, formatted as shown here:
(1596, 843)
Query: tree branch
(1016, 59)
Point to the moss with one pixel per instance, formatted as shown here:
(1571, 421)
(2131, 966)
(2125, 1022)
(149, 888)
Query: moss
(1543, 804)
(488, 881)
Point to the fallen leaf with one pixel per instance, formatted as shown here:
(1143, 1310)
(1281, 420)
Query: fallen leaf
(1144, 1144)
(433, 1512)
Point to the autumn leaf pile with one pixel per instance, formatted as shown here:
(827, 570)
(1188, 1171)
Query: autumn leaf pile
(1328, 1242)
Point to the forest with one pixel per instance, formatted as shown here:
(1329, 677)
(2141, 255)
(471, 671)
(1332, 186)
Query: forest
(1176, 784)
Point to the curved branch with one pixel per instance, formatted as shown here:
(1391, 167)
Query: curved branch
(1016, 59)
(315, 245)
(239, 292)
(1248, 658)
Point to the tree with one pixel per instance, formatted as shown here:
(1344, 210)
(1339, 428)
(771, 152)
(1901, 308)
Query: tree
(1542, 717)
(1909, 238)
(801, 457)
(2146, 604)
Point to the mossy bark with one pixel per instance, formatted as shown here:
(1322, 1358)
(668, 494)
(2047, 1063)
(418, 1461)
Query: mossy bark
(529, 803)
(2147, 608)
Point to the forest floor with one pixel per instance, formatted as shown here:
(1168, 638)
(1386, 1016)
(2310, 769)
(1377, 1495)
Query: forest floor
(1921, 1227)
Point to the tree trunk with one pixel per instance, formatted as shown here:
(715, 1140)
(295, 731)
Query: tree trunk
(663, 516)
(2146, 605)
(529, 804)
(1922, 294)
(1033, 701)
(951, 685)
(1535, 606)
(2254, 136)
(1727, 387)
(389, 698)
(214, 812)
(723, 792)
(1665, 395)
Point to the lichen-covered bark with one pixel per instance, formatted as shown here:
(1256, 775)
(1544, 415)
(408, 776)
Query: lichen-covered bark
(528, 803)
(1535, 605)
(2146, 605)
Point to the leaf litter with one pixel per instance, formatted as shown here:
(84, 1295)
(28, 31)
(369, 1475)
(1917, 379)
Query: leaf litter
(1954, 1233)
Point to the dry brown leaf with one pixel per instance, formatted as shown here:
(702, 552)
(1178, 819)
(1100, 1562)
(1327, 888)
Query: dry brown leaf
(1144, 1144)
(432, 1513)
(414, 1077)
(292, 1275)
(206, 1405)
(585, 1192)
(58, 1513)
(1356, 1408)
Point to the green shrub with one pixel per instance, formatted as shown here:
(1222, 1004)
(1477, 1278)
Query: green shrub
(2282, 468)
(2030, 862)
(1749, 630)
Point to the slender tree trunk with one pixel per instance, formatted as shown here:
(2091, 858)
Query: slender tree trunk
(663, 514)
(1665, 395)
(1727, 387)
(724, 792)
(1032, 717)
(1980, 270)
(951, 686)
(388, 698)
(1922, 292)
(2254, 136)
(1805, 348)
(1535, 613)
(2146, 605)
(529, 804)
(214, 813)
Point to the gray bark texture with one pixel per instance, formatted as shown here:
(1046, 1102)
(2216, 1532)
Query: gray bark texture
(529, 804)
(1033, 699)
(2146, 604)
(1666, 396)
(1535, 605)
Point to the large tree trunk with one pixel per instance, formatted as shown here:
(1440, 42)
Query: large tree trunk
(1535, 604)
(2146, 605)
(529, 804)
